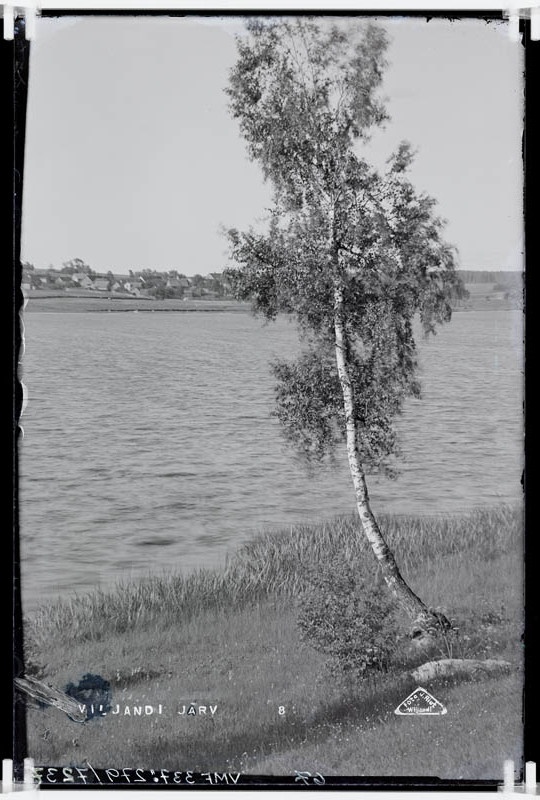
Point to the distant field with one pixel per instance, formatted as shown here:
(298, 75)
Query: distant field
(62, 301)
(481, 295)
(492, 295)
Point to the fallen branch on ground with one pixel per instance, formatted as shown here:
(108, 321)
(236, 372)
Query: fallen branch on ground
(43, 693)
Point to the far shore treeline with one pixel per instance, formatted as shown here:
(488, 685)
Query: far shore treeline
(77, 279)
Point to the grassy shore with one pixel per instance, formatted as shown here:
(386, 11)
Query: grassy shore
(229, 638)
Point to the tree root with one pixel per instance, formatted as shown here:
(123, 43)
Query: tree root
(447, 667)
(428, 625)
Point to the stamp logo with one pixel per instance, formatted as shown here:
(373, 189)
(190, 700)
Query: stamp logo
(420, 702)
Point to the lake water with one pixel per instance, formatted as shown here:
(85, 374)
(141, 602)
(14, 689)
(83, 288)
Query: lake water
(149, 445)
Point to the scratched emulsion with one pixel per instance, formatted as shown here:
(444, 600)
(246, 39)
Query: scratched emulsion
(149, 443)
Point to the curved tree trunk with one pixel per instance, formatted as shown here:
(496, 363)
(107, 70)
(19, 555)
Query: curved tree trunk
(423, 617)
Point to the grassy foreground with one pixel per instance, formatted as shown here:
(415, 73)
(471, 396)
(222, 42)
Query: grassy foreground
(229, 639)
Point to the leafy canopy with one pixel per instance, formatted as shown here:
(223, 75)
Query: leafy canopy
(343, 238)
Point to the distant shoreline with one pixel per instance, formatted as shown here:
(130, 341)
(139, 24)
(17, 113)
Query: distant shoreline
(121, 304)
(481, 297)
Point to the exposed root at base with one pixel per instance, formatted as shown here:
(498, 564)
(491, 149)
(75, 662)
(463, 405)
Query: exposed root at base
(428, 625)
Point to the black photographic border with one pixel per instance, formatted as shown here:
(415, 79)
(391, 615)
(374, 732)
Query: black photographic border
(15, 77)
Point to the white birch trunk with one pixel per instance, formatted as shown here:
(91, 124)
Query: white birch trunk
(416, 609)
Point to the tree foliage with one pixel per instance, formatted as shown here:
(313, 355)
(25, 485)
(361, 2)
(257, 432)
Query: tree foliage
(343, 237)
(77, 265)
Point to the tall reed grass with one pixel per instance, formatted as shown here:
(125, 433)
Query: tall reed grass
(273, 564)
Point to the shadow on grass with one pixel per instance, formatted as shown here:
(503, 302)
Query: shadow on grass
(222, 752)
(234, 750)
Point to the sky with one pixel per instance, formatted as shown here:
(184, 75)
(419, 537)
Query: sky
(134, 162)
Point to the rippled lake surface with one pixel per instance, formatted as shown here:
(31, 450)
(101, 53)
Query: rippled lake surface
(149, 443)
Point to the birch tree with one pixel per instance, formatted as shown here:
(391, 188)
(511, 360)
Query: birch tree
(353, 252)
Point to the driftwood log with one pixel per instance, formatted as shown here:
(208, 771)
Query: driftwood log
(447, 667)
(43, 693)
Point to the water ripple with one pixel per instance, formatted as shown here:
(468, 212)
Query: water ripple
(152, 434)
